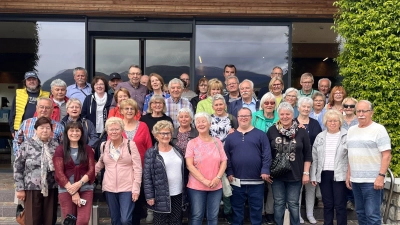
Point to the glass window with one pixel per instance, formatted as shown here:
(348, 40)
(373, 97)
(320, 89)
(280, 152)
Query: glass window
(254, 50)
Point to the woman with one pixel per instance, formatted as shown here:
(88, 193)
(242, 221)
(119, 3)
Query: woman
(201, 91)
(349, 108)
(123, 172)
(290, 141)
(185, 132)
(318, 110)
(156, 86)
(276, 86)
(215, 86)
(120, 95)
(264, 118)
(313, 129)
(74, 109)
(222, 123)
(155, 113)
(204, 186)
(336, 98)
(165, 177)
(74, 172)
(329, 168)
(290, 96)
(34, 175)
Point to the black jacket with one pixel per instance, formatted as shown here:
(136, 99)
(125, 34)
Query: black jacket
(155, 180)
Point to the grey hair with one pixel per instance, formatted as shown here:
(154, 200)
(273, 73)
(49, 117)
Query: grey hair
(185, 110)
(306, 100)
(371, 107)
(202, 114)
(233, 77)
(285, 106)
(332, 113)
(250, 82)
(291, 89)
(57, 83)
(318, 94)
(155, 98)
(114, 120)
(267, 96)
(330, 83)
(218, 97)
(73, 100)
(79, 68)
(175, 81)
(45, 99)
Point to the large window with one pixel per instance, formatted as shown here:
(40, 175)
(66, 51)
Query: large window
(254, 50)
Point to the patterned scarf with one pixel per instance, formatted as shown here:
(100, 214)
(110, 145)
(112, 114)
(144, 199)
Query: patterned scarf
(291, 132)
(202, 96)
(46, 164)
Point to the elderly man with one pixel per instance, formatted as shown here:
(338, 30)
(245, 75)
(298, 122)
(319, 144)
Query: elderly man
(58, 91)
(369, 152)
(246, 91)
(144, 80)
(249, 159)
(176, 102)
(232, 85)
(306, 82)
(44, 108)
(113, 81)
(187, 93)
(81, 88)
(137, 91)
(276, 72)
(324, 86)
(24, 102)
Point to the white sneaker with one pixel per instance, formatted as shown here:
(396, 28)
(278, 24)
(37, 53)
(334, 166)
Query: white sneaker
(311, 219)
(149, 218)
(301, 220)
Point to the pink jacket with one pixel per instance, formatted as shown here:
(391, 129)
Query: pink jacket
(122, 175)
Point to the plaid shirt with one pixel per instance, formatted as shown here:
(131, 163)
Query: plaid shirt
(174, 107)
(27, 131)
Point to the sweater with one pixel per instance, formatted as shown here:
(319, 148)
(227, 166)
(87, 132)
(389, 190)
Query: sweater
(313, 129)
(142, 139)
(150, 121)
(205, 105)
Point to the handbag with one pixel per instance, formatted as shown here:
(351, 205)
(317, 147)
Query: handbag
(20, 215)
(69, 220)
(226, 186)
(280, 166)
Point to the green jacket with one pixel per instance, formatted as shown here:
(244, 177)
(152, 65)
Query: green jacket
(260, 122)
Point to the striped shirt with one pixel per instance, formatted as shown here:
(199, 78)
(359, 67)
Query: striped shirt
(331, 143)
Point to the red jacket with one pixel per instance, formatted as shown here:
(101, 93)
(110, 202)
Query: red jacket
(142, 139)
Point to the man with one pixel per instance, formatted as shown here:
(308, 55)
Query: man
(58, 91)
(232, 85)
(246, 91)
(229, 70)
(276, 72)
(306, 82)
(24, 102)
(44, 108)
(81, 88)
(324, 86)
(144, 80)
(369, 152)
(137, 91)
(113, 81)
(249, 159)
(176, 102)
(187, 93)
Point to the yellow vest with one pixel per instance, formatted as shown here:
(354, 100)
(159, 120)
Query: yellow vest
(21, 99)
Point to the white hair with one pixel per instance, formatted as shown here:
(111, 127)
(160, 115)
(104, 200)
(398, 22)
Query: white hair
(330, 83)
(175, 81)
(202, 114)
(306, 100)
(247, 80)
(185, 110)
(267, 96)
(57, 83)
(285, 106)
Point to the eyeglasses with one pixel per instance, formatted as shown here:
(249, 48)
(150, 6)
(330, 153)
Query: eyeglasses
(332, 121)
(269, 103)
(99, 85)
(349, 106)
(276, 73)
(363, 111)
(338, 93)
(114, 130)
(164, 134)
(244, 116)
(157, 103)
(137, 74)
(44, 107)
(129, 109)
(291, 96)
(306, 82)
(74, 107)
(203, 85)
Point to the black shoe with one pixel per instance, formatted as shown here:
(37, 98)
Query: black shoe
(228, 218)
(269, 219)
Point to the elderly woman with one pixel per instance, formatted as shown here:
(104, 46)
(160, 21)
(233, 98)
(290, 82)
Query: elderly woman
(313, 129)
(204, 186)
(34, 175)
(123, 172)
(185, 132)
(74, 114)
(290, 96)
(266, 116)
(165, 177)
(120, 95)
(215, 86)
(155, 113)
(276, 86)
(329, 168)
(349, 108)
(336, 98)
(155, 85)
(58, 92)
(222, 123)
(291, 142)
(201, 91)
(74, 172)
(318, 110)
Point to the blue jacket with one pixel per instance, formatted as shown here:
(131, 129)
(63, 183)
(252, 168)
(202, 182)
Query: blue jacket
(235, 106)
(89, 108)
(89, 131)
(155, 180)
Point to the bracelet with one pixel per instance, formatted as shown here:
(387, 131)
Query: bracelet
(306, 173)
(82, 183)
(219, 177)
(381, 174)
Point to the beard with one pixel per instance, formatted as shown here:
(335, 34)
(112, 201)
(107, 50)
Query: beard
(33, 89)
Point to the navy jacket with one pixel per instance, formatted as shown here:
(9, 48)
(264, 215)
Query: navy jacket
(90, 136)
(155, 180)
(235, 106)
(226, 97)
(89, 108)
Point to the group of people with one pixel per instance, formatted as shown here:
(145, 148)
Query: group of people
(170, 151)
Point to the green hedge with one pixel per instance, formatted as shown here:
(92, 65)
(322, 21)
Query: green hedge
(370, 60)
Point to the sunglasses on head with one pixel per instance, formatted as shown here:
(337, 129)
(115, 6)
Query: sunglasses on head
(349, 106)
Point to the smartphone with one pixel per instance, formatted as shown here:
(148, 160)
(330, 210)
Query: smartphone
(83, 201)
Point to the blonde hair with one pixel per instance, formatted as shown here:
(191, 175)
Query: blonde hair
(332, 113)
(161, 125)
(214, 83)
(271, 83)
(114, 120)
(129, 102)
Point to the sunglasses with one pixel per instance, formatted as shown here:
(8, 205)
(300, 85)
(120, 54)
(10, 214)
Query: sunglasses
(349, 106)
(269, 103)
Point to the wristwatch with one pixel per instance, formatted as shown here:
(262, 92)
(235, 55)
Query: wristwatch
(82, 183)
(219, 177)
(381, 174)
(306, 173)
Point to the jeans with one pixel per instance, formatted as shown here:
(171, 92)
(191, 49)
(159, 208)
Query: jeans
(368, 202)
(286, 192)
(255, 196)
(121, 207)
(202, 200)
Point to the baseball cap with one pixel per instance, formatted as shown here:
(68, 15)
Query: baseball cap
(115, 76)
(31, 74)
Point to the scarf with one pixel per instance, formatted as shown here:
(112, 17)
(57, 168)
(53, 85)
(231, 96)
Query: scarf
(291, 132)
(46, 165)
(202, 96)
(100, 101)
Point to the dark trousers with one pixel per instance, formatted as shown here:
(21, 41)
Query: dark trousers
(334, 197)
(138, 211)
(40, 209)
(172, 218)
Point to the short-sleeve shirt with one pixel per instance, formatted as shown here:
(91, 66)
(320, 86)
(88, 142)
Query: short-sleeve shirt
(207, 158)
